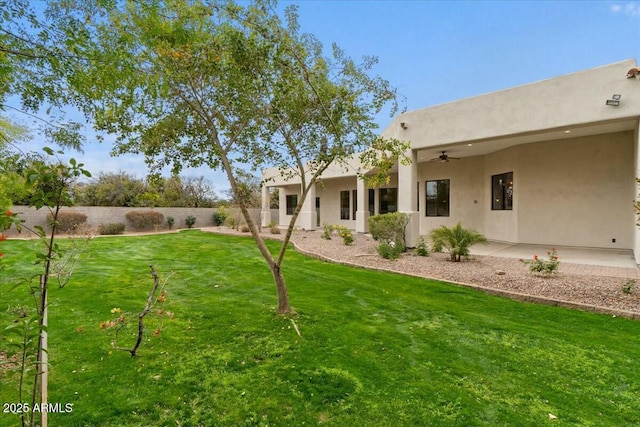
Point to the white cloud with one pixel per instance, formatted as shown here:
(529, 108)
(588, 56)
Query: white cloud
(631, 8)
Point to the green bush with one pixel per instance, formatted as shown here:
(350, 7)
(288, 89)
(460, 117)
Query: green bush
(219, 216)
(327, 230)
(345, 233)
(273, 227)
(111, 229)
(170, 221)
(456, 240)
(190, 221)
(145, 219)
(68, 221)
(421, 247)
(537, 265)
(389, 227)
(389, 249)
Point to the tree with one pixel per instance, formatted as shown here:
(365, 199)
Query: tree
(191, 83)
(35, 61)
(114, 189)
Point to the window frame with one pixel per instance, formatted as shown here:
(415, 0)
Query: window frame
(291, 203)
(502, 192)
(345, 208)
(438, 198)
(381, 200)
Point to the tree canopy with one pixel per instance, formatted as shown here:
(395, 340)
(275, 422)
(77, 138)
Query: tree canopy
(188, 83)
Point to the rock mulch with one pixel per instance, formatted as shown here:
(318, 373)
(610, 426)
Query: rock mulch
(502, 276)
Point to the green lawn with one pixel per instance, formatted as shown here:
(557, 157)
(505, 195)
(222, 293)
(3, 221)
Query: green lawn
(377, 349)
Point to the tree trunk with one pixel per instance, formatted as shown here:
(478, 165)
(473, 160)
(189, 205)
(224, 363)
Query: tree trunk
(281, 288)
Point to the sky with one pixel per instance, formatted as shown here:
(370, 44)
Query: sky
(441, 51)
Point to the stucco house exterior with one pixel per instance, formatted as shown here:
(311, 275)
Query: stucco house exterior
(552, 162)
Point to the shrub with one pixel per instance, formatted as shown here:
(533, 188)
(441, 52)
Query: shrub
(111, 229)
(219, 216)
(389, 227)
(421, 247)
(628, 286)
(145, 219)
(456, 240)
(68, 221)
(345, 233)
(536, 265)
(389, 249)
(170, 221)
(231, 222)
(327, 230)
(273, 227)
(245, 228)
(189, 221)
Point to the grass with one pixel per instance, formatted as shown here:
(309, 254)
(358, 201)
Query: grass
(376, 349)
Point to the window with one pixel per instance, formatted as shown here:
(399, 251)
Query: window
(344, 204)
(372, 202)
(437, 201)
(354, 205)
(502, 192)
(388, 200)
(292, 202)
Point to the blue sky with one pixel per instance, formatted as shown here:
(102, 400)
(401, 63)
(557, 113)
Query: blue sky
(440, 51)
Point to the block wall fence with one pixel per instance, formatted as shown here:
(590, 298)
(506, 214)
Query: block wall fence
(97, 215)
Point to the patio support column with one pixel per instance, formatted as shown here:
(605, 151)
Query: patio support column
(307, 218)
(265, 213)
(636, 171)
(407, 197)
(362, 211)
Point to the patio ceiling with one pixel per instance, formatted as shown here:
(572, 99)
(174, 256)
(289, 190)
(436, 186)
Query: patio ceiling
(486, 146)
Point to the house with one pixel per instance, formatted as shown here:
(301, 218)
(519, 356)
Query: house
(552, 162)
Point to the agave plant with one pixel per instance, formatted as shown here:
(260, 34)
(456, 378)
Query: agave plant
(456, 240)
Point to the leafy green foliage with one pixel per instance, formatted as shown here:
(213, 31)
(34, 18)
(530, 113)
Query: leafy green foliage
(230, 87)
(548, 267)
(390, 227)
(422, 249)
(190, 221)
(327, 229)
(389, 249)
(456, 240)
(170, 221)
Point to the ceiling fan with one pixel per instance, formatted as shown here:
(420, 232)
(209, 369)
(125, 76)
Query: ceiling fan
(444, 158)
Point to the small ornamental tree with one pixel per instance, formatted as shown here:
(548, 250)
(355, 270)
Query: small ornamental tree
(233, 88)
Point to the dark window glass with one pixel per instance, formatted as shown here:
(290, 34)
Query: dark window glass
(388, 200)
(502, 192)
(372, 202)
(437, 197)
(354, 204)
(344, 204)
(292, 202)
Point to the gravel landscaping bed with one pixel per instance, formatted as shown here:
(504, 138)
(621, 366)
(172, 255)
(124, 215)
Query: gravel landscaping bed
(503, 276)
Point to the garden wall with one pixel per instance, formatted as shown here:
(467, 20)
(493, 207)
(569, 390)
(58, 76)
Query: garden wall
(97, 215)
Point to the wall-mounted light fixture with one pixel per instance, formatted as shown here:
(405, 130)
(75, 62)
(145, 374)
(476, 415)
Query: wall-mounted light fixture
(614, 101)
(403, 125)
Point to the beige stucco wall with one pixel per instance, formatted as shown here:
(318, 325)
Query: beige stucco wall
(574, 192)
(564, 101)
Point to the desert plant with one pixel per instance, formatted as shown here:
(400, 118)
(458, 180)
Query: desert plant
(68, 221)
(190, 221)
(111, 229)
(390, 226)
(456, 240)
(345, 233)
(170, 221)
(628, 286)
(327, 229)
(144, 219)
(389, 249)
(273, 227)
(231, 222)
(422, 248)
(548, 267)
(220, 215)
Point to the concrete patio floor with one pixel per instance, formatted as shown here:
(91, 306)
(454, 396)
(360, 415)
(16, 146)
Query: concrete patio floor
(592, 261)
